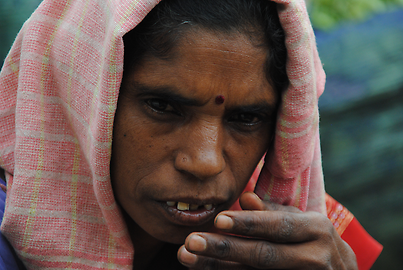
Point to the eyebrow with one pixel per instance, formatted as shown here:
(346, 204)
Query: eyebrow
(165, 92)
(262, 107)
(169, 94)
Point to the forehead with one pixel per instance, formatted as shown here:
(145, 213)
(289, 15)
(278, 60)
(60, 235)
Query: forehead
(204, 64)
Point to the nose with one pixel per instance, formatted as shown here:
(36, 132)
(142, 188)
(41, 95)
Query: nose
(201, 151)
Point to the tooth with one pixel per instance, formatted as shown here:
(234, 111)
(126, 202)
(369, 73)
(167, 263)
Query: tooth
(183, 206)
(171, 203)
(194, 207)
(208, 206)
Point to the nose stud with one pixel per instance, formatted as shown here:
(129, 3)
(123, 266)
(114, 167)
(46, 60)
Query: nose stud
(219, 99)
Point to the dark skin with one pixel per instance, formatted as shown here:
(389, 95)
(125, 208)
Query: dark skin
(174, 143)
(283, 237)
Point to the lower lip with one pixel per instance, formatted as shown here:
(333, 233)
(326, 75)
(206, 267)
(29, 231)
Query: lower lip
(188, 218)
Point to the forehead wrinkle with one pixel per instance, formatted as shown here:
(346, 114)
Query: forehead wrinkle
(218, 65)
(250, 63)
(209, 48)
(255, 61)
(229, 55)
(207, 40)
(200, 59)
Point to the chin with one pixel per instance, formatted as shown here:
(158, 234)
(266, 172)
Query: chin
(179, 235)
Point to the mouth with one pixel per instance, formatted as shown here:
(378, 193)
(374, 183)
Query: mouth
(189, 214)
(182, 206)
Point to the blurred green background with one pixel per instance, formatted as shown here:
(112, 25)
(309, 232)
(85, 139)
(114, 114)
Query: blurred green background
(362, 114)
(361, 46)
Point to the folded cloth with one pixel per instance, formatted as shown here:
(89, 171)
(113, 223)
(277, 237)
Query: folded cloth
(292, 173)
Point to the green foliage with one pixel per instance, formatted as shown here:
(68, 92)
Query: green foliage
(326, 14)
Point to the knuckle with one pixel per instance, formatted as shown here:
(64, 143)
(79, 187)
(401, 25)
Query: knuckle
(264, 255)
(323, 263)
(325, 222)
(320, 261)
(325, 257)
(223, 248)
(325, 229)
(251, 226)
(247, 225)
(285, 228)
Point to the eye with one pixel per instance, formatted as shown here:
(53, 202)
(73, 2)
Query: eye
(161, 106)
(246, 118)
(157, 104)
(249, 121)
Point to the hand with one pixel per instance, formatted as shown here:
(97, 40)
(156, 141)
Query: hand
(268, 236)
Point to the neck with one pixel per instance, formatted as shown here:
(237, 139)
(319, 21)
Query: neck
(145, 250)
(145, 246)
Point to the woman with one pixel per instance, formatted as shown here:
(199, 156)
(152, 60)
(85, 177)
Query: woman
(196, 112)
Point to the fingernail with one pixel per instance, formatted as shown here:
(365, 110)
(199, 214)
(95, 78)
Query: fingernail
(224, 222)
(186, 258)
(197, 243)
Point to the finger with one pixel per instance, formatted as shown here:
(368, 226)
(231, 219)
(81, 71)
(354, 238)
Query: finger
(186, 258)
(274, 226)
(195, 262)
(250, 201)
(251, 253)
(214, 251)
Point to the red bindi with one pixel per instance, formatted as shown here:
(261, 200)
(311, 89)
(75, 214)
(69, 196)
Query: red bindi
(219, 99)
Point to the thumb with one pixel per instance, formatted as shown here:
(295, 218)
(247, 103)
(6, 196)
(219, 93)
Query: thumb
(250, 201)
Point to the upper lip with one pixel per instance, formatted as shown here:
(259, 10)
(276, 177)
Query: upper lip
(198, 201)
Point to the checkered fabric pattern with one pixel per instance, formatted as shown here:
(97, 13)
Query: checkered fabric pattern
(292, 174)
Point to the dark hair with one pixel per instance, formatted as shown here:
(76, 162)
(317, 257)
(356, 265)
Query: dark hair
(158, 33)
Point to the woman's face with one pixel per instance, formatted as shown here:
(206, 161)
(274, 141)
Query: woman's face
(176, 146)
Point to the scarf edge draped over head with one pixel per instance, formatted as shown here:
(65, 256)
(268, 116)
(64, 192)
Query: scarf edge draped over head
(55, 148)
(292, 173)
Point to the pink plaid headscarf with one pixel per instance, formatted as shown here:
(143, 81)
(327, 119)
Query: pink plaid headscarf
(59, 89)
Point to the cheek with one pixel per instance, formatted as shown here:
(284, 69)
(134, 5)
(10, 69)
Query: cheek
(129, 139)
(132, 134)
(245, 155)
(138, 151)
